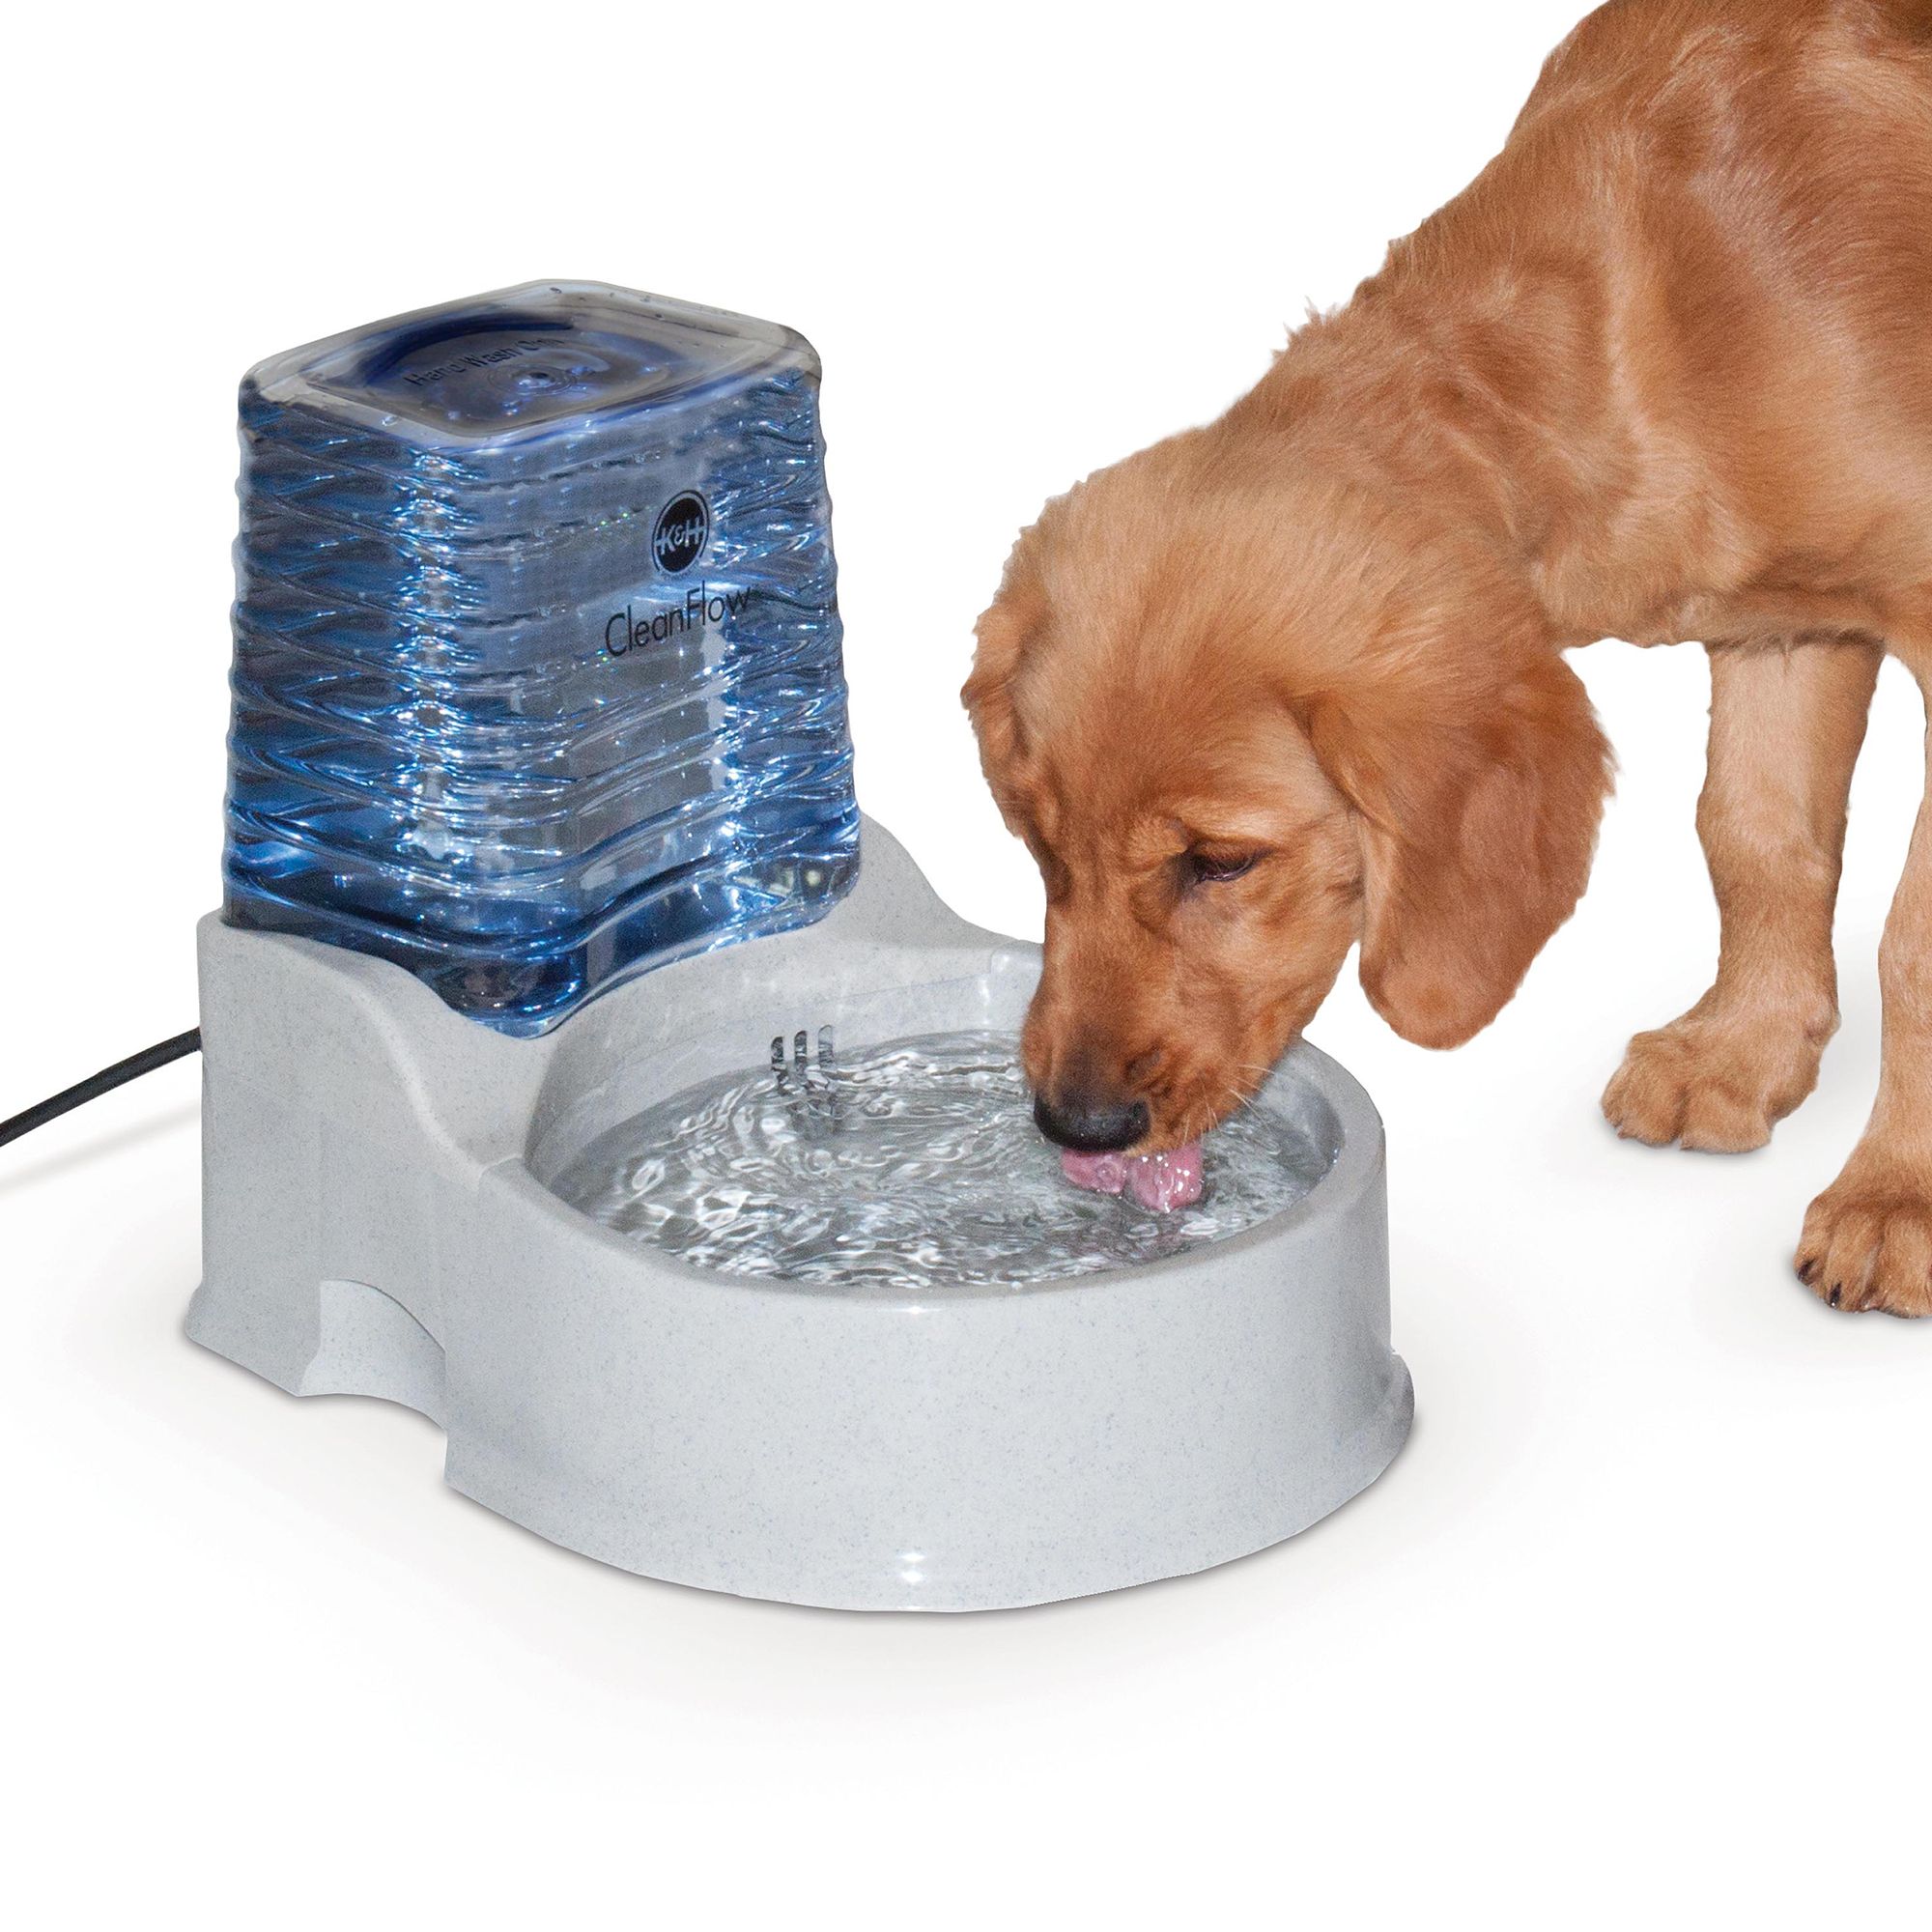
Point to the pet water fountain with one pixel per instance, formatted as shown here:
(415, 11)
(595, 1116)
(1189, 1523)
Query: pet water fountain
(546, 886)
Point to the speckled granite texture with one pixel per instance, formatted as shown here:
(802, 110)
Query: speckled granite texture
(376, 1222)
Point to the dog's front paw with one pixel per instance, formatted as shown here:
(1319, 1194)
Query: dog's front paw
(1867, 1240)
(1717, 1086)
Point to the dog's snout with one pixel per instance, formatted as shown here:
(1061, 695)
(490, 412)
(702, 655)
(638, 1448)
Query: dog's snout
(1089, 1124)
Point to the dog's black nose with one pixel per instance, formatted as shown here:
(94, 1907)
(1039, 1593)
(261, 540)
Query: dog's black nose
(1091, 1126)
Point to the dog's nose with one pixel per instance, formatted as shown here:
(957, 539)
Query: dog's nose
(1089, 1125)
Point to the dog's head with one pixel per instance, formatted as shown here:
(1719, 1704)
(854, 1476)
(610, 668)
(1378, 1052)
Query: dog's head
(1241, 727)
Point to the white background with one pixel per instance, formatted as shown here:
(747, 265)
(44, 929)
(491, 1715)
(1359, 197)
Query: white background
(1635, 1622)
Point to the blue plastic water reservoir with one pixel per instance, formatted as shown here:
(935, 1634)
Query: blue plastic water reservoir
(537, 678)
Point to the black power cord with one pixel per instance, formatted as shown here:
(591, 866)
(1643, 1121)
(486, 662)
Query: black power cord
(103, 1082)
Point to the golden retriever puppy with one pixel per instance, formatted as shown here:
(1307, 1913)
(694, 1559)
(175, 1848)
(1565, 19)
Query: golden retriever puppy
(1294, 682)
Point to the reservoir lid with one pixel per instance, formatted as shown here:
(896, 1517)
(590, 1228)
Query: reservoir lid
(521, 361)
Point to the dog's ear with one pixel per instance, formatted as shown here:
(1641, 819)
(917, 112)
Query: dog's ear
(1478, 820)
(1006, 632)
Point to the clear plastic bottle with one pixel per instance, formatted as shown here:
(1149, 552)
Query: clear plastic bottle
(537, 676)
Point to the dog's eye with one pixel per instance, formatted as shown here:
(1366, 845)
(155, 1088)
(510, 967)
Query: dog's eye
(1217, 867)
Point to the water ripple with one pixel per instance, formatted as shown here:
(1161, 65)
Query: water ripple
(913, 1165)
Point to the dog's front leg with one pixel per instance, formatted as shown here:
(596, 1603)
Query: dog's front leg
(1867, 1240)
(1786, 723)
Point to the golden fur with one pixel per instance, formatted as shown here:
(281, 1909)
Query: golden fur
(1663, 372)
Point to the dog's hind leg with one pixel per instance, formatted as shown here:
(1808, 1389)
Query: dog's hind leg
(1787, 720)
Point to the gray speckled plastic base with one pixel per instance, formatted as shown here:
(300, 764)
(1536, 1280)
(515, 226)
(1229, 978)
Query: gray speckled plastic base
(376, 1223)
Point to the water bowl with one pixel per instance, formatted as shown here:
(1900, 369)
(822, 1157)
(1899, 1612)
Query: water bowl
(382, 1217)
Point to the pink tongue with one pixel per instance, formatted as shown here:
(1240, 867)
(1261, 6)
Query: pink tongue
(1101, 1173)
(1160, 1181)
(1165, 1181)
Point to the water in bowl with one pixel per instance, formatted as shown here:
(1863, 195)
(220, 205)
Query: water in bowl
(913, 1165)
